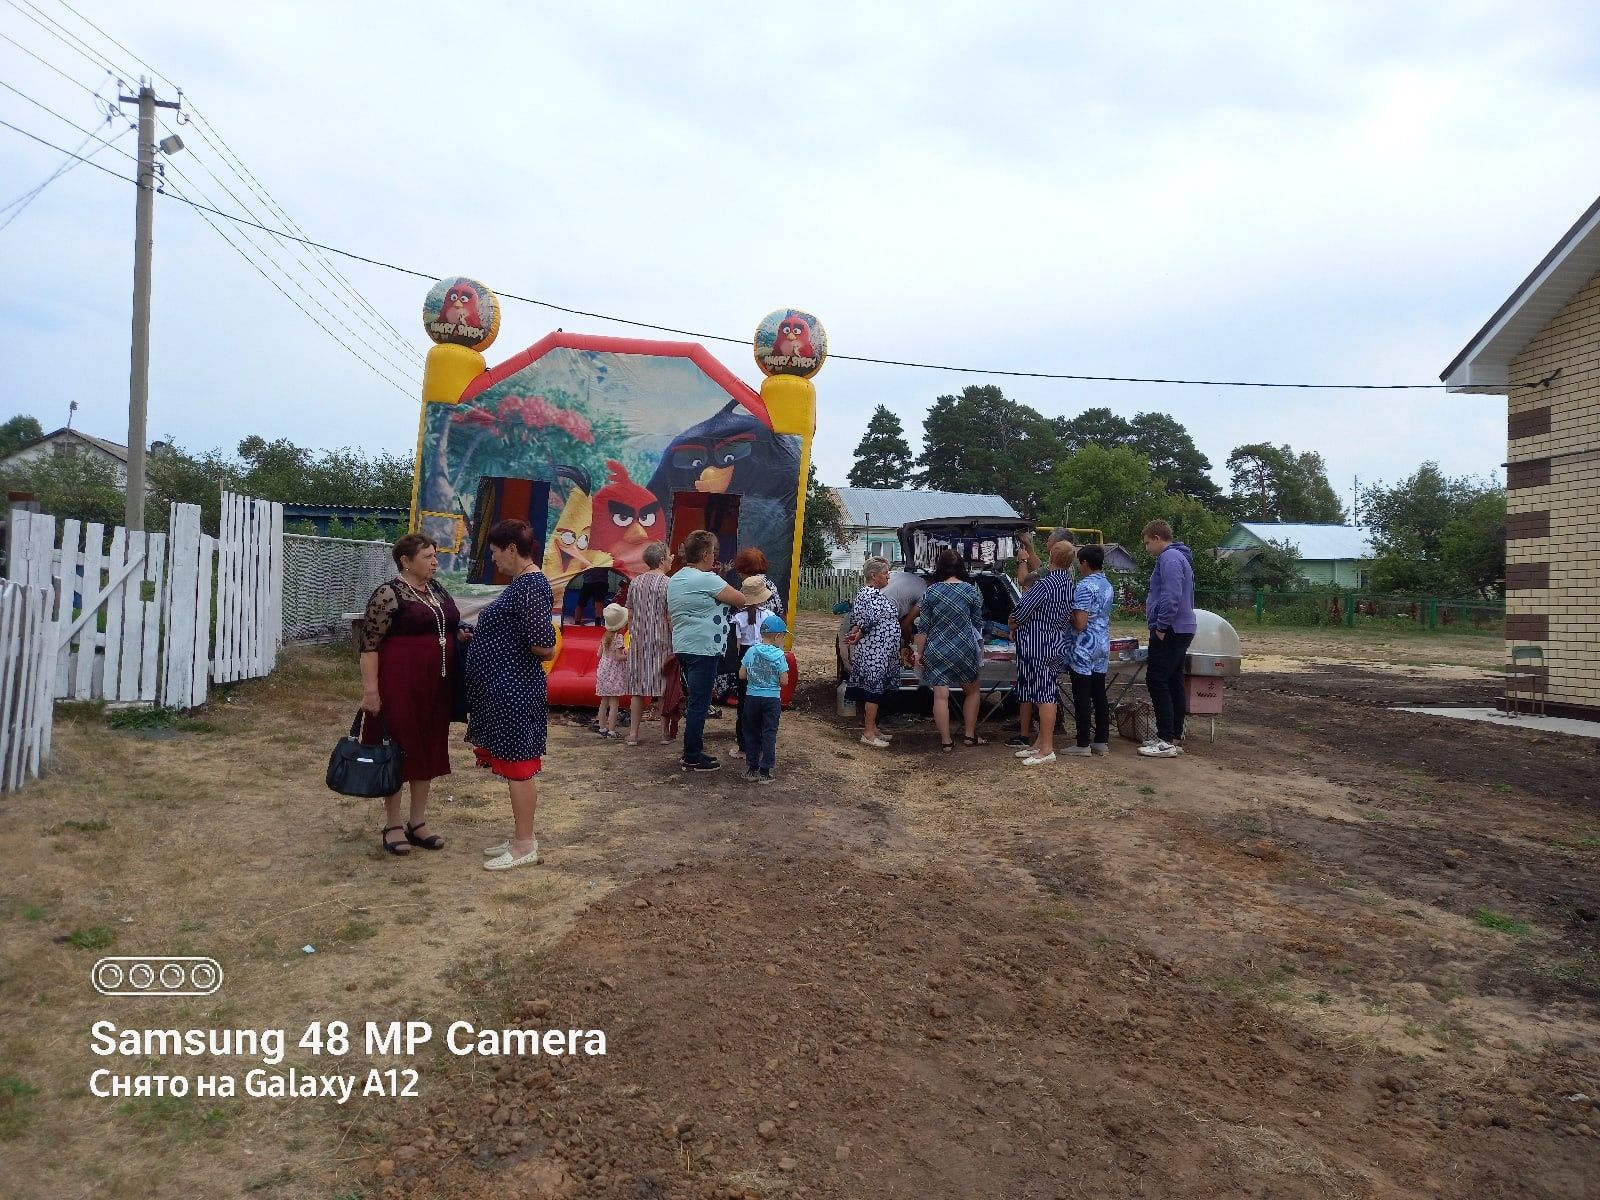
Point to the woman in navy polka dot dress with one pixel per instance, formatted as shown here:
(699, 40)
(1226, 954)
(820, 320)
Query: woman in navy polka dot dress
(508, 714)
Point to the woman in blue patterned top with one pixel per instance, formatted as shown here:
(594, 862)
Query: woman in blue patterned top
(508, 717)
(874, 641)
(1091, 653)
(1043, 621)
(949, 646)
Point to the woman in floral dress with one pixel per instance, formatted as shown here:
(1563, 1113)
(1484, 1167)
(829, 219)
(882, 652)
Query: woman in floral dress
(949, 646)
(874, 639)
(651, 634)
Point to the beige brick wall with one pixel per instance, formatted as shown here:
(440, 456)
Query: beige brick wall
(1571, 341)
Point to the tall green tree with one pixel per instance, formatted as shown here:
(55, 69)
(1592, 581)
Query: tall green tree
(18, 431)
(73, 485)
(1435, 534)
(1273, 483)
(985, 443)
(1160, 439)
(883, 456)
(824, 523)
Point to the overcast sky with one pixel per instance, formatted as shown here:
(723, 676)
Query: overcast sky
(1313, 192)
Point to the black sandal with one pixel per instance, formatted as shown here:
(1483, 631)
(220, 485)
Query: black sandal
(947, 747)
(398, 849)
(432, 842)
(974, 741)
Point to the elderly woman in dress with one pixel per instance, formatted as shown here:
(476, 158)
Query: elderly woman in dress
(408, 661)
(874, 639)
(652, 636)
(949, 646)
(506, 697)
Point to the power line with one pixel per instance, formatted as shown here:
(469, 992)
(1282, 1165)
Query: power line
(76, 45)
(58, 116)
(117, 44)
(712, 337)
(46, 62)
(225, 153)
(203, 211)
(72, 160)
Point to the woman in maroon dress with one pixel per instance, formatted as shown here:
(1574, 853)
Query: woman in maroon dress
(408, 664)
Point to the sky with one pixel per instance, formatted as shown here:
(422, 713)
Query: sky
(1318, 192)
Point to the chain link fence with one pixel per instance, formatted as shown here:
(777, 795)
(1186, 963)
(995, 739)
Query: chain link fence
(1358, 610)
(327, 579)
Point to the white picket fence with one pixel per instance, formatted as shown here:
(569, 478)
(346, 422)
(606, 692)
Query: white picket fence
(135, 621)
(27, 646)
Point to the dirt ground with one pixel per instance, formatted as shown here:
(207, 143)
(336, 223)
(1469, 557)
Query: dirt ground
(1339, 951)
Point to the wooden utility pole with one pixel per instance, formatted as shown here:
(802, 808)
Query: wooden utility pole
(143, 243)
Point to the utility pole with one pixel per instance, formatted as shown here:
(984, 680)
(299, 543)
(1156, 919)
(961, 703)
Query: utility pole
(143, 243)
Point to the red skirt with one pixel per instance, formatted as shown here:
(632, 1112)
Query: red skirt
(416, 702)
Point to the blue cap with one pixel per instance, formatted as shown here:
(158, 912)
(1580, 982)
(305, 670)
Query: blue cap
(773, 623)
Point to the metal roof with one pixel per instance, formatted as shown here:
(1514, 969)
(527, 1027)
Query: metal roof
(890, 508)
(1483, 366)
(1314, 542)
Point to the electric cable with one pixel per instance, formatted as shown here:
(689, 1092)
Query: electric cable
(74, 159)
(117, 44)
(712, 337)
(58, 116)
(77, 48)
(37, 58)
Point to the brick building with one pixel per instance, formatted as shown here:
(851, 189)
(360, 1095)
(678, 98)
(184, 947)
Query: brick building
(1541, 351)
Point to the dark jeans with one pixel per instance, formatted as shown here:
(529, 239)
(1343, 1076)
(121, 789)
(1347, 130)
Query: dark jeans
(738, 719)
(1089, 691)
(699, 673)
(761, 731)
(1163, 675)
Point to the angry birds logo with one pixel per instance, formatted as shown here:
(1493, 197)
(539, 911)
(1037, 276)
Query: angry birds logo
(461, 312)
(790, 342)
(627, 518)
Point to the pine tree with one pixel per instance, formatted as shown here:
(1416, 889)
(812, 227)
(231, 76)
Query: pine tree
(883, 457)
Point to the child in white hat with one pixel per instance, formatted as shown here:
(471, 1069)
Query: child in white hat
(611, 672)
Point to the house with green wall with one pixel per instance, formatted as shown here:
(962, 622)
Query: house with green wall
(1329, 554)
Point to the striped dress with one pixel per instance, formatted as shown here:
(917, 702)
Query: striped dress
(650, 634)
(1044, 636)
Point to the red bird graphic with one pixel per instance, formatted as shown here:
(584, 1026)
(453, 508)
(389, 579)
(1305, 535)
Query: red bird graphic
(794, 337)
(461, 305)
(627, 518)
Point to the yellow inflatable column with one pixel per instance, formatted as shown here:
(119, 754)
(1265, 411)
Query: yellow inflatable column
(790, 346)
(463, 318)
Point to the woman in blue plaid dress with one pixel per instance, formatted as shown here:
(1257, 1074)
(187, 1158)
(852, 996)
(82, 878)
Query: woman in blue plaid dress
(949, 645)
(1043, 624)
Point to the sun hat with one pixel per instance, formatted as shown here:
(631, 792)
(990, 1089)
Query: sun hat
(757, 590)
(616, 617)
(773, 624)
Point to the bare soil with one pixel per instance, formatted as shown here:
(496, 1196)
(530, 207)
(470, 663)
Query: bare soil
(1337, 952)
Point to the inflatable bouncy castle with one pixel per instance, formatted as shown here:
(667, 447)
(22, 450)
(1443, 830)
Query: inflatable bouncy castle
(623, 441)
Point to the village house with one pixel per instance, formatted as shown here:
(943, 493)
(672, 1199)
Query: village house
(1541, 350)
(1329, 554)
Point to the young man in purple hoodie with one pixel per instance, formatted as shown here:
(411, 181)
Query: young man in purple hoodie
(1169, 611)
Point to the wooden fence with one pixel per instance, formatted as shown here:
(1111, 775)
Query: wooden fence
(27, 647)
(149, 617)
(823, 587)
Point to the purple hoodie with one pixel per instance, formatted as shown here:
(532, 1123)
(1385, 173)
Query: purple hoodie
(1170, 601)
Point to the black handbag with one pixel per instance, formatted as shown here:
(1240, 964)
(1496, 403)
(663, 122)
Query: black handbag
(367, 772)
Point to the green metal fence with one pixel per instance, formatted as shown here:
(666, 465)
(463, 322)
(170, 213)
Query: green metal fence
(1332, 607)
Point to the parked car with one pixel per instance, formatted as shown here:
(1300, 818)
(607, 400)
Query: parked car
(996, 585)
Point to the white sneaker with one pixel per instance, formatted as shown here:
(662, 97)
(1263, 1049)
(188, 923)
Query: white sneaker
(1160, 750)
(1100, 747)
(496, 850)
(505, 862)
(877, 743)
(1039, 761)
(1028, 753)
(1078, 751)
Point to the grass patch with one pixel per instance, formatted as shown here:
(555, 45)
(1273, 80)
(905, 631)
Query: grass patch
(93, 825)
(1487, 918)
(1582, 843)
(1147, 790)
(355, 931)
(177, 1116)
(137, 720)
(16, 1107)
(1053, 910)
(91, 937)
(1373, 814)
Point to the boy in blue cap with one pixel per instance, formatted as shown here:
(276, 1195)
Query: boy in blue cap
(765, 670)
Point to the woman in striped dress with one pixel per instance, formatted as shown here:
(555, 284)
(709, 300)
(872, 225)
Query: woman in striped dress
(652, 636)
(1043, 624)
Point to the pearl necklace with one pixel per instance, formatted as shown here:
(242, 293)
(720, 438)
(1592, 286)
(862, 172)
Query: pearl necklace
(438, 619)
